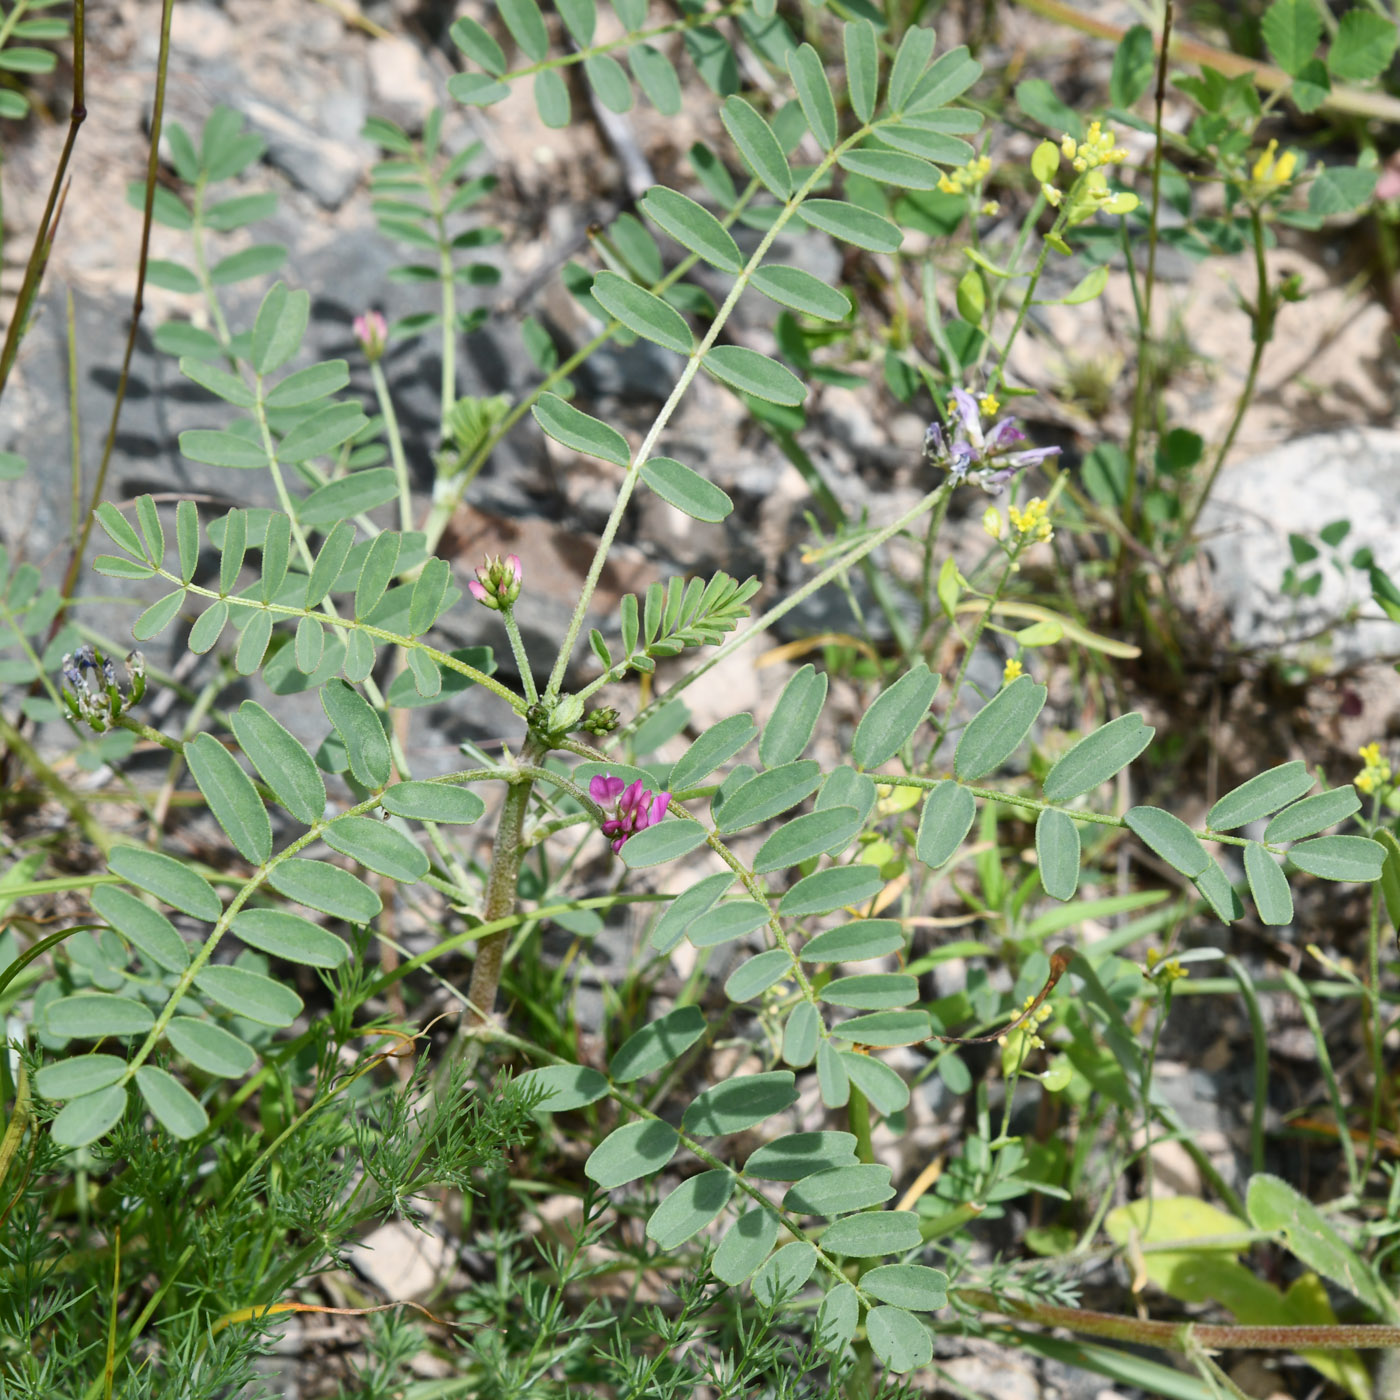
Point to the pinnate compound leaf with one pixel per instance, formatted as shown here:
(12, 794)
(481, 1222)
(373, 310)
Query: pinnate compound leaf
(1057, 852)
(737, 1104)
(220, 449)
(854, 942)
(433, 802)
(949, 812)
(158, 616)
(146, 929)
(250, 995)
(726, 922)
(828, 890)
(871, 991)
(210, 1047)
(332, 503)
(876, 1080)
(801, 1034)
(360, 730)
(552, 100)
(1098, 757)
(608, 79)
(566, 1087)
(839, 1190)
(526, 25)
(908, 1286)
(910, 60)
(667, 841)
(280, 325)
(808, 74)
(754, 977)
(252, 645)
(898, 1338)
(690, 1207)
(631, 1151)
(655, 1046)
(873, 232)
(816, 833)
(321, 432)
(671, 927)
(862, 67)
(785, 1275)
(577, 430)
(643, 313)
(231, 796)
(885, 1028)
(169, 880)
(83, 1074)
(893, 718)
(760, 149)
(219, 382)
(1268, 885)
(800, 291)
(1217, 891)
(289, 936)
(755, 374)
(657, 77)
(869, 1233)
(719, 743)
(85, 1120)
(1313, 814)
(747, 1244)
(799, 1155)
(308, 385)
(836, 1319)
(173, 1106)
(832, 1079)
(92, 1015)
(1264, 793)
(326, 887)
(1170, 838)
(281, 762)
(998, 729)
(769, 794)
(693, 227)
(892, 168)
(687, 490)
(1353, 859)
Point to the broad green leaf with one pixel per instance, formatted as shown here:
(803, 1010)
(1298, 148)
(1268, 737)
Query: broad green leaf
(949, 812)
(799, 1155)
(792, 287)
(242, 210)
(1216, 890)
(643, 313)
(360, 730)
(472, 90)
(84, 1120)
(885, 1028)
(1339, 189)
(334, 551)
(910, 60)
(850, 224)
(726, 922)
(693, 227)
(747, 1244)
(279, 327)
(328, 888)
(869, 1233)
(158, 616)
(854, 942)
(737, 1104)
(1169, 837)
(1362, 47)
(173, 1106)
(321, 432)
(580, 18)
(769, 794)
(377, 845)
(552, 99)
(117, 566)
(83, 1074)
(566, 1087)
(146, 929)
(690, 1207)
(1098, 757)
(1313, 814)
(801, 1033)
(891, 168)
(871, 991)
(862, 66)
(785, 1275)
(1268, 885)
(577, 430)
(670, 928)
(210, 1047)
(478, 45)
(220, 383)
(687, 490)
(92, 1015)
(276, 555)
(655, 1046)
(668, 840)
(899, 1339)
(839, 1190)
(1292, 30)
(832, 1079)
(232, 550)
(755, 374)
(250, 995)
(308, 385)
(429, 595)
(808, 74)
(1354, 859)
(1133, 67)
(631, 1151)
(719, 743)
(282, 763)
(756, 144)
(433, 802)
(173, 277)
(908, 1286)
(837, 1316)
(817, 833)
(378, 569)
(844, 787)
(894, 717)
(168, 879)
(1264, 793)
(1057, 852)
(876, 1080)
(349, 495)
(231, 796)
(998, 729)
(290, 936)
(257, 260)
(754, 977)
(657, 78)
(608, 79)
(252, 645)
(828, 890)
(794, 719)
(526, 24)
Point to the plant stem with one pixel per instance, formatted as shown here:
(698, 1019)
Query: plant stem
(522, 661)
(396, 452)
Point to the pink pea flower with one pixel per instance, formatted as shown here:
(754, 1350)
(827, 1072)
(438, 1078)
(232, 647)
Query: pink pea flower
(634, 807)
(372, 331)
(497, 582)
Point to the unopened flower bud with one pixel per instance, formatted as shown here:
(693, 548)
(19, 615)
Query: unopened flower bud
(372, 331)
(497, 582)
(601, 721)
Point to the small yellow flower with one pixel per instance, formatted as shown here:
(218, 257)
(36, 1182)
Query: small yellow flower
(1099, 147)
(966, 177)
(1052, 195)
(1272, 173)
(1033, 522)
(1011, 671)
(991, 522)
(1067, 145)
(991, 208)
(1377, 772)
(988, 404)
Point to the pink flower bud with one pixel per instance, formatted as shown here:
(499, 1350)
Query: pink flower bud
(497, 582)
(372, 331)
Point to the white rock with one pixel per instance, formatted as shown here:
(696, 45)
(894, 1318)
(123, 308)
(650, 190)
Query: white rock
(402, 1262)
(401, 82)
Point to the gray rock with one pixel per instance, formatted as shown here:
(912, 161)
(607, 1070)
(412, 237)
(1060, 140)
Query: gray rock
(325, 167)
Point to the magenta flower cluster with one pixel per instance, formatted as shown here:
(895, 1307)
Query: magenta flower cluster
(497, 582)
(634, 807)
(986, 457)
(372, 331)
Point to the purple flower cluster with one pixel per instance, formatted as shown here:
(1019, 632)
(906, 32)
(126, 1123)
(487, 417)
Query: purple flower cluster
(973, 455)
(635, 809)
